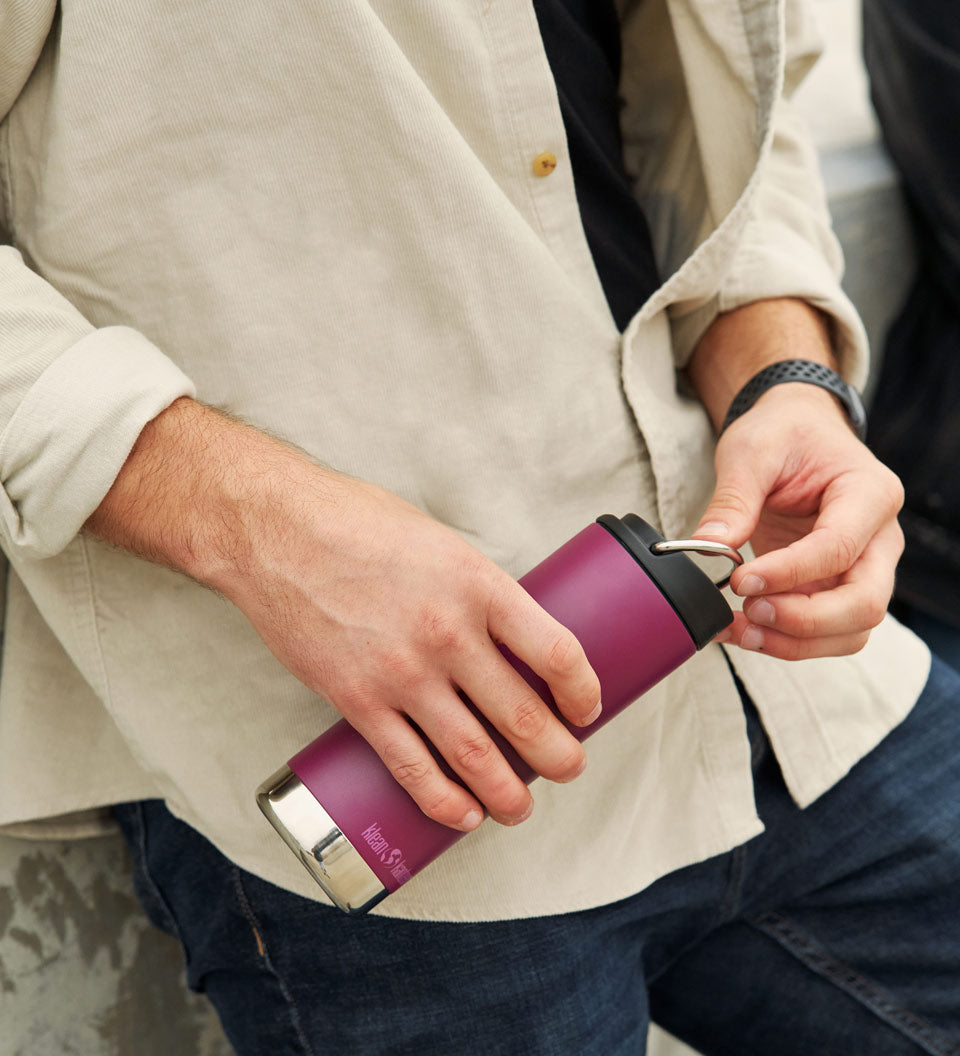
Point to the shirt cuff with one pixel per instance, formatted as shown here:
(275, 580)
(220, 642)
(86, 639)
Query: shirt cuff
(791, 266)
(70, 435)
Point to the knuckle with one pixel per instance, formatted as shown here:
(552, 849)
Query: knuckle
(502, 595)
(901, 539)
(443, 631)
(528, 719)
(477, 567)
(474, 755)
(352, 698)
(413, 774)
(728, 496)
(563, 655)
(893, 491)
(400, 667)
(844, 550)
(872, 612)
(442, 806)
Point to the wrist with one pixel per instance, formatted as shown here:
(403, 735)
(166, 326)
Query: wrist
(799, 376)
(744, 341)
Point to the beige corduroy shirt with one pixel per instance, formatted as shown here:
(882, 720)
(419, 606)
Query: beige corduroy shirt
(327, 219)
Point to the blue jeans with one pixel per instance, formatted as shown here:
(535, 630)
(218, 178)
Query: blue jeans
(835, 932)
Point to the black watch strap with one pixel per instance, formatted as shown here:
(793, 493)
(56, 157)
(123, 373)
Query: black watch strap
(799, 370)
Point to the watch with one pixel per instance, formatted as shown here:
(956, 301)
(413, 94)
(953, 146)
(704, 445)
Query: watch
(800, 370)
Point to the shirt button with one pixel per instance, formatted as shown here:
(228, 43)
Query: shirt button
(544, 164)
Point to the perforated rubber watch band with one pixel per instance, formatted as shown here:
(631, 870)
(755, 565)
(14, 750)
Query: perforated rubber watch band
(799, 370)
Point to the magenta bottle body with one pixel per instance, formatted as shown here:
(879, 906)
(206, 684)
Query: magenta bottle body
(632, 636)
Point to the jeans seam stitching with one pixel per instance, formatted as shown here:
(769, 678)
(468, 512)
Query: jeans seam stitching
(805, 949)
(251, 919)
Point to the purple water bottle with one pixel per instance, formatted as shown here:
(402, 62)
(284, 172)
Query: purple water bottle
(639, 607)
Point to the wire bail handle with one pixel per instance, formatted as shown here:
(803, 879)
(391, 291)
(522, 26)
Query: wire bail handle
(704, 547)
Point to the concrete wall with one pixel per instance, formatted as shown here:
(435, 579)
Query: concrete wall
(81, 970)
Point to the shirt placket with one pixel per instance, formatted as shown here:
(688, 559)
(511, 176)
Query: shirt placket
(538, 172)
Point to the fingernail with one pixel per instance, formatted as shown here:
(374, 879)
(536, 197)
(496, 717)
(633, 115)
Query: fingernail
(762, 612)
(594, 715)
(751, 585)
(471, 820)
(713, 528)
(752, 639)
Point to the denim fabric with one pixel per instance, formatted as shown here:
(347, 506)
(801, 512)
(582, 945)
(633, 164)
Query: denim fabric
(837, 931)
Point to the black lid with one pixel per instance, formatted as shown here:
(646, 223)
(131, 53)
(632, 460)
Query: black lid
(694, 596)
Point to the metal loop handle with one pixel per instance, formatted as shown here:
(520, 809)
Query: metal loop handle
(704, 547)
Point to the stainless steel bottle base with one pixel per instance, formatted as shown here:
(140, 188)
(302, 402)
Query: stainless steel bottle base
(313, 836)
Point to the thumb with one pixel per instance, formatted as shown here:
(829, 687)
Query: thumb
(734, 510)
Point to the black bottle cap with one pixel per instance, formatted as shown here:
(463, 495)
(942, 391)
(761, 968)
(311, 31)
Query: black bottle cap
(694, 596)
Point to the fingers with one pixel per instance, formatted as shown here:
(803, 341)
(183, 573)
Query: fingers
(549, 650)
(822, 517)
(475, 758)
(466, 747)
(506, 700)
(518, 713)
(829, 622)
(415, 769)
(854, 508)
(737, 500)
(748, 636)
(522, 717)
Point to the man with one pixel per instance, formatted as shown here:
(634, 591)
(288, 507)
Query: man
(368, 229)
(911, 53)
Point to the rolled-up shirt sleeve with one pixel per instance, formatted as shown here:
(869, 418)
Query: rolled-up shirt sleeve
(73, 399)
(788, 248)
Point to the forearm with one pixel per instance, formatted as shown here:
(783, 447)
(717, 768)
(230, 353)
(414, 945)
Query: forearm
(194, 491)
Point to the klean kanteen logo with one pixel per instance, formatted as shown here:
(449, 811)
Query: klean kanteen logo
(392, 857)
